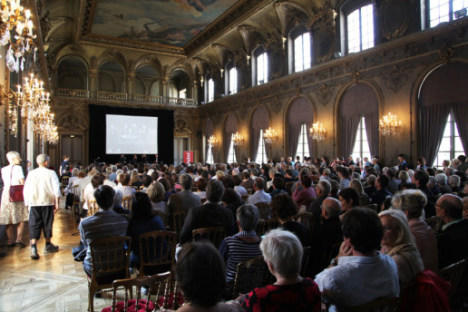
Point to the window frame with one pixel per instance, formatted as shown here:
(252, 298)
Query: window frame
(305, 152)
(293, 35)
(210, 97)
(232, 148)
(361, 131)
(255, 55)
(349, 7)
(228, 79)
(262, 146)
(426, 10)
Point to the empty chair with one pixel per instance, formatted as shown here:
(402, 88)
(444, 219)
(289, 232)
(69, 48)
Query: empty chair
(156, 252)
(110, 258)
(214, 234)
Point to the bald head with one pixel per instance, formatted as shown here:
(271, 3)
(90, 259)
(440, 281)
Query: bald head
(449, 207)
(331, 207)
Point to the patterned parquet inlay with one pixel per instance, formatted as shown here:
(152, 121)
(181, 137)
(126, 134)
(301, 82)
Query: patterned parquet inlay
(55, 282)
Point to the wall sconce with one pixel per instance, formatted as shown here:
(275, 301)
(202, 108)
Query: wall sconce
(248, 58)
(269, 135)
(202, 80)
(284, 39)
(318, 131)
(222, 72)
(212, 140)
(237, 138)
(389, 124)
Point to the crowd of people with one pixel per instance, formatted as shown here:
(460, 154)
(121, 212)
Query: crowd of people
(375, 230)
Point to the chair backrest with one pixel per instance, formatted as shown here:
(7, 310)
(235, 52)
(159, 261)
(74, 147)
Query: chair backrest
(110, 257)
(176, 220)
(156, 251)
(264, 226)
(214, 234)
(162, 285)
(454, 273)
(264, 210)
(391, 304)
(93, 207)
(251, 274)
(127, 202)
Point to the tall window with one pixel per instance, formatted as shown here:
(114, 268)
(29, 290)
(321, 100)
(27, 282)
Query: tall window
(232, 152)
(209, 155)
(451, 145)
(360, 29)
(232, 78)
(303, 143)
(361, 144)
(261, 157)
(302, 50)
(262, 68)
(441, 11)
(182, 94)
(210, 90)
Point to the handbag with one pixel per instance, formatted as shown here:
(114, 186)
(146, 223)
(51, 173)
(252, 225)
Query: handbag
(16, 191)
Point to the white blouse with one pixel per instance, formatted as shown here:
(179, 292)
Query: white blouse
(16, 176)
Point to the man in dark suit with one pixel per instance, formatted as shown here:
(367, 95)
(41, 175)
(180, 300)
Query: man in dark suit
(210, 214)
(184, 200)
(453, 238)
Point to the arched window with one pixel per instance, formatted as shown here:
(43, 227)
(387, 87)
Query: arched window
(232, 80)
(451, 145)
(261, 67)
(440, 11)
(261, 157)
(303, 143)
(442, 126)
(302, 52)
(210, 91)
(232, 151)
(209, 154)
(361, 144)
(360, 28)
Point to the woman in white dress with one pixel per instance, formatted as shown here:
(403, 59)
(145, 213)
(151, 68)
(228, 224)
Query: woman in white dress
(13, 213)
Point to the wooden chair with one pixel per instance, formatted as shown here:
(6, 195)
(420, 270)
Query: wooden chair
(251, 274)
(214, 234)
(307, 219)
(156, 252)
(75, 209)
(264, 226)
(264, 210)
(162, 285)
(127, 202)
(176, 221)
(110, 258)
(456, 273)
(93, 207)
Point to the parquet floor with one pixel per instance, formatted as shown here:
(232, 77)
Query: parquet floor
(55, 282)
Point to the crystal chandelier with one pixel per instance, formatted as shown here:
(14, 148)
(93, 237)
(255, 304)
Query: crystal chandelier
(318, 131)
(270, 135)
(389, 124)
(16, 31)
(34, 102)
(212, 140)
(237, 138)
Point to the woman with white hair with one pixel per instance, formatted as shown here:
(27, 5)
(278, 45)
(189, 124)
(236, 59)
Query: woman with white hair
(13, 211)
(398, 242)
(282, 252)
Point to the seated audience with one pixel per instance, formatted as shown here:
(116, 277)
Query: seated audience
(200, 274)
(363, 197)
(231, 200)
(285, 209)
(104, 223)
(277, 186)
(412, 203)
(88, 194)
(322, 190)
(381, 192)
(360, 273)
(420, 179)
(201, 189)
(304, 195)
(245, 244)
(398, 242)
(453, 238)
(123, 186)
(142, 221)
(209, 214)
(349, 199)
(260, 196)
(184, 200)
(156, 193)
(282, 252)
(330, 235)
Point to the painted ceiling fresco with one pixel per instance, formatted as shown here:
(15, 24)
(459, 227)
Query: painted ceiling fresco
(171, 22)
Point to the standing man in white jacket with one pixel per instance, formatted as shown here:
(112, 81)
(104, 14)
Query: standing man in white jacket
(41, 194)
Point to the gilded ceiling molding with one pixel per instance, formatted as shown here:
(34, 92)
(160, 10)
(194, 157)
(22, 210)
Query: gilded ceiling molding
(290, 14)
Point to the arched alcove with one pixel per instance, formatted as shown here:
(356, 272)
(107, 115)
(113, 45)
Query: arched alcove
(72, 73)
(146, 76)
(300, 112)
(111, 77)
(179, 81)
(230, 127)
(260, 120)
(358, 101)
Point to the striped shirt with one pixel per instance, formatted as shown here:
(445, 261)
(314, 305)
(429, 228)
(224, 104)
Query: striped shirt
(236, 249)
(104, 223)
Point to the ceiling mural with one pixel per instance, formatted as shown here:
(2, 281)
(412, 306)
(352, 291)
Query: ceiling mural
(170, 22)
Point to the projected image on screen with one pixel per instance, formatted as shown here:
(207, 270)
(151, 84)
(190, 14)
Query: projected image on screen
(131, 134)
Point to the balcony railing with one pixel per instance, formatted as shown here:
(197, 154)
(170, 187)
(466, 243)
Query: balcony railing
(124, 97)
